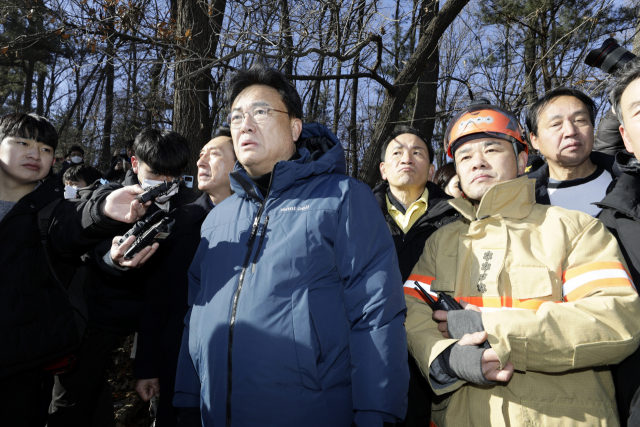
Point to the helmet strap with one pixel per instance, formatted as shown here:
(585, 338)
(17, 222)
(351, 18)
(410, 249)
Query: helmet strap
(515, 150)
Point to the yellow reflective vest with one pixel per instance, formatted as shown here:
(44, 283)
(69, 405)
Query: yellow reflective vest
(556, 300)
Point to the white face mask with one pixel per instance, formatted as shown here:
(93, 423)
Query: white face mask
(76, 159)
(149, 183)
(70, 192)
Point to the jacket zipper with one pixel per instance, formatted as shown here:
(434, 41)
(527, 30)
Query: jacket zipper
(255, 257)
(236, 297)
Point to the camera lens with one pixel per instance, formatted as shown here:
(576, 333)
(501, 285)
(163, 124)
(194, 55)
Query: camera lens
(610, 57)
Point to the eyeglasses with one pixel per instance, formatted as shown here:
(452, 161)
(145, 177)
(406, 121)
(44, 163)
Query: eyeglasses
(257, 115)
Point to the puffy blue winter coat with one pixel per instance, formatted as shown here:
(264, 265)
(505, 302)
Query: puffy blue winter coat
(297, 308)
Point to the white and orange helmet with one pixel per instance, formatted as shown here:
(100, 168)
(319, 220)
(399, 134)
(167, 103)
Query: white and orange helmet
(483, 121)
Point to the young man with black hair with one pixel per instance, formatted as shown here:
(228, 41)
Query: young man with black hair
(79, 176)
(121, 301)
(160, 332)
(621, 215)
(75, 156)
(414, 208)
(41, 236)
(295, 291)
(561, 127)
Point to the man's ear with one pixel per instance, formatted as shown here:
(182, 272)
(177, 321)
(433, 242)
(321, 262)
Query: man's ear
(296, 128)
(523, 158)
(625, 138)
(134, 164)
(432, 171)
(534, 141)
(383, 172)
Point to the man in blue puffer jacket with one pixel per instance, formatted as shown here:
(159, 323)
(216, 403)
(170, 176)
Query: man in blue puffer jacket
(296, 304)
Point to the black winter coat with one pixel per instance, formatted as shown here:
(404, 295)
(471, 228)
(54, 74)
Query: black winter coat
(541, 175)
(409, 246)
(621, 215)
(116, 299)
(608, 138)
(165, 306)
(36, 319)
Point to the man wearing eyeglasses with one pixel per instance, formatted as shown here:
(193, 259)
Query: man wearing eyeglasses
(296, 303)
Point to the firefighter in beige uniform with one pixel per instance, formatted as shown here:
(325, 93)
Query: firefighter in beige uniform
(547, 287)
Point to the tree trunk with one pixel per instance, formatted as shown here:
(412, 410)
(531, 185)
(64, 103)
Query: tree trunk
(200, 27)
(286, 35)
(28, 85)
(636, 38)
(394, 100)
(105, 154)
(336, 99)
(40, 92)
(353, 125)
(427, 91)
(152, 105)
(530, 67)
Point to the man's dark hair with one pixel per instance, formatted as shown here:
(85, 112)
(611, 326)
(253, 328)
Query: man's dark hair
(259, 74)
(86, 173)
(627, 75)
(128, 143)
(29, 126)
(533, 115)
(444, 175)
(166, 152)
(75, 148)
(400, 130)
(223, 131)
(226, 132)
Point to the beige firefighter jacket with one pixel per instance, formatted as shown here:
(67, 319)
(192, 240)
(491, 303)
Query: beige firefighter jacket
(557, 302)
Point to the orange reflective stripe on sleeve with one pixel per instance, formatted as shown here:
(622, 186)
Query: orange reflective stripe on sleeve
(582, 281)
(411, 289)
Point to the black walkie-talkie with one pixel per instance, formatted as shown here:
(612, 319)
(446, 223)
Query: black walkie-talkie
(446, 303)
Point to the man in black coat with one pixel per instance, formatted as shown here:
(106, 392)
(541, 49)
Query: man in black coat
(160, 332)
(414, 208)
(561, 127)
(117, 298)
(42, 235)
(621, 214)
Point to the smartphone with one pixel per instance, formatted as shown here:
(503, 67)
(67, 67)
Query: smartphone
(188, 180)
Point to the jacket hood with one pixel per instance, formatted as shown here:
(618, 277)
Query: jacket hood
(627, 162)
(624, 193)
(320, 152)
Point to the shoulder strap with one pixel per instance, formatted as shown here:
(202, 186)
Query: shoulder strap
(77, 287)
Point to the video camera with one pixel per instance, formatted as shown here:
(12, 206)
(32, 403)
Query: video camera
(610, 57)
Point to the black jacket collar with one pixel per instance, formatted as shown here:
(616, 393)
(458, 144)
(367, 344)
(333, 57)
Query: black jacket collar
(437, 203)
(541, 175)
(624, 193)
(47, 192)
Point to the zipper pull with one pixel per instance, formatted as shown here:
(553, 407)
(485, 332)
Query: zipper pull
(264, 229)
(254, 229)
(255, 257)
